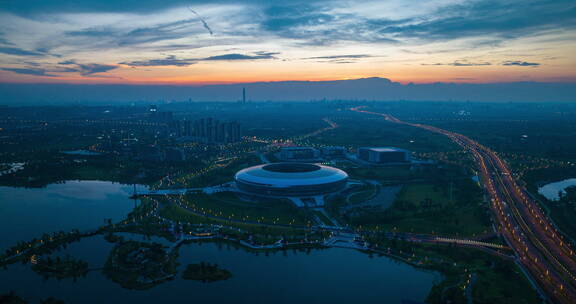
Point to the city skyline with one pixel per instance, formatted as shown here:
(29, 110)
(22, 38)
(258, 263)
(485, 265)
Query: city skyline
(207, 42)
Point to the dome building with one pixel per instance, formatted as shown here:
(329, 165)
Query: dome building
(291, 180)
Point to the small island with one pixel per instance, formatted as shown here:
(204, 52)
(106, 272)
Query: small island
(60, 268)
(137, 265)
(206, 273)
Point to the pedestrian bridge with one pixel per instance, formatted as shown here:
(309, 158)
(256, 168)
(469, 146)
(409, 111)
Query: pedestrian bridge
(470, 243)
(344, 240)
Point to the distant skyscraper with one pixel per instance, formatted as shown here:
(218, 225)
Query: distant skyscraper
(232, 132)
(187, 128)
(202, 129)
(175, 127)
(243, 95)
(221, 134)
(208, 130)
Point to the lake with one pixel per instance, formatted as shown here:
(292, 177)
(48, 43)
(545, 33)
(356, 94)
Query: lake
(319, 276)
(26, 213)
(551, 190)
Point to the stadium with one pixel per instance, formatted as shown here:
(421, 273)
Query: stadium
(291, 180)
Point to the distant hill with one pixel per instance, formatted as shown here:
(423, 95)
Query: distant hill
(356, 89)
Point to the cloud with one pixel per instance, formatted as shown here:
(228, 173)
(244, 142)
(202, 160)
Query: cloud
(165, 31)
(315, 24)
(92, 32)
(286, 18)
(520, 63)
(483, 23)
(489, 23)
(4, 40)
(357, 56)
(29, 71)
(323, 22)
(19, 52)
(141, 35)
(257, 56)
(337, 61)
(171, 60)
(506, 19)
(168, 61)
(31, 63)
(67, 62)
(93, 68)
(35, 7)
(69, 66)
(461, 63)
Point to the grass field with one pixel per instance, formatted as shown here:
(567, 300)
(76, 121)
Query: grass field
(495, 281)
(173, 212)
(492, 279)
(465, 215)
(273, 211)
(222, 174)
(413, 194)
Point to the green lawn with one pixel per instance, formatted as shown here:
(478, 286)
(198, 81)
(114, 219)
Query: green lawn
(465, 216)
(173, 212)
(223, 174)
(228, 205)
(496, 281)
(416, 193)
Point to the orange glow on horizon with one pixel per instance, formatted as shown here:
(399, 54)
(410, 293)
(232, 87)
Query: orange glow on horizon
(403, 75)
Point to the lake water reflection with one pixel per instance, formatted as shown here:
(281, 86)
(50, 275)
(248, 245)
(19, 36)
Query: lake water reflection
(551, 190)
(26, 213)
(316, 276)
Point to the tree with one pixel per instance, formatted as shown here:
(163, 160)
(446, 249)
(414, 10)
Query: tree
(51, 300)
(11, 298)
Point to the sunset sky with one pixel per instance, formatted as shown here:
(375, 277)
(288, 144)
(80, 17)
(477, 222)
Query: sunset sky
(200, 42)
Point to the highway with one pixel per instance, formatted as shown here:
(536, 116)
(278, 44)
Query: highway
(539, 247)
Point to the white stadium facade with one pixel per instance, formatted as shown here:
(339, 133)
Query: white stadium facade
(291, 180)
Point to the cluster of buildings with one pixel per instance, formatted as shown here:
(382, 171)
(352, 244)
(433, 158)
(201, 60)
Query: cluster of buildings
(205, 130)
(305, 182)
